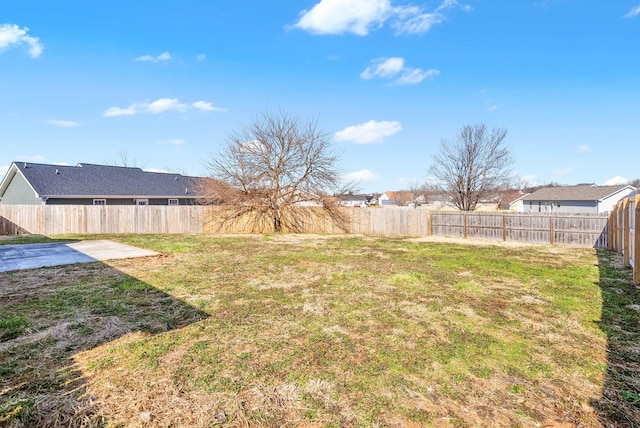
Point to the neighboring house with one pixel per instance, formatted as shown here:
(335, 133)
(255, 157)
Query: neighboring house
(512, 200)
(589, 199)
(361, 200)
(88, 184)
(399, 198)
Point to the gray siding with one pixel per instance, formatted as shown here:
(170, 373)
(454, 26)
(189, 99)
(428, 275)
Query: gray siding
(564, 207)
(20, 193)
(125, 201)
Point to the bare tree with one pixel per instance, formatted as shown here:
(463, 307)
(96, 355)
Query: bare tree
(473, 165)
(272, 165)
(423, 193)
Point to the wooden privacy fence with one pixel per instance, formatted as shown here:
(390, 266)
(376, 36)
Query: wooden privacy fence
(563, 229)
(95, 219)
(624, 232)
(573, 230)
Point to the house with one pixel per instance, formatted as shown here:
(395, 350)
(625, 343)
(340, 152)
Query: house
(399, 198)
(88, 184)
(360, 200)
(511, 200)
(588, 199)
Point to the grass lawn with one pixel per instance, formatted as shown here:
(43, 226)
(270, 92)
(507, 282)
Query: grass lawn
(322, 331)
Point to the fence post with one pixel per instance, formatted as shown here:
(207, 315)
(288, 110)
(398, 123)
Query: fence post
(636, 243)
(611, 229)
(464, 222)
(504, 227)
(625, 230)
(551, 231)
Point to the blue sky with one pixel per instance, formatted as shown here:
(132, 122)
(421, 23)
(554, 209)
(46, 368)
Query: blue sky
(167, 81)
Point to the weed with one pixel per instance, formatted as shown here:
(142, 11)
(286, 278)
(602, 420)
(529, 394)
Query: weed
(631, 396)
(12, 327)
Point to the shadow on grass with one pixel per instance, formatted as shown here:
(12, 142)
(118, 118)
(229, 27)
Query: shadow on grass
(49, 315)
(620, 402)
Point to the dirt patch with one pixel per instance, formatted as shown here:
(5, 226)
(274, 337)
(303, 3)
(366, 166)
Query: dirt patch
(471, 241)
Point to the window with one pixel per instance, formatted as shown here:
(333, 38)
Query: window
(173, 202)
(99, 202)
(142, 201)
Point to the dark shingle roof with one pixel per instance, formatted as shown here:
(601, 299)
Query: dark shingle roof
(104, 180)
(361, 197)
(574, 193)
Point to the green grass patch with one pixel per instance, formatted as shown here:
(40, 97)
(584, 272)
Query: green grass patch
(11, 327)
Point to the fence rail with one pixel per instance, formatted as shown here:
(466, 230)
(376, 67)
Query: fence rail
(573, 230)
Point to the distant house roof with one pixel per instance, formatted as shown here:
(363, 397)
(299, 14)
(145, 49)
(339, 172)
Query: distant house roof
(399, 195)
(360, 197)
(508, 197)
(89, 180)
(575, 193)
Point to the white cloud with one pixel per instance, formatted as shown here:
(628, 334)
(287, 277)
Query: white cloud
(165, 104)
(419, 23)
(207, 106)
(394, 68)
(362, 176)
(12, 35)
(159, 106)
(163, 57)
(383, 67)
(414, 20)
(368, 132)
(362, 16)
(467, 8)
(345, 16)
(635, 11)
(63, 123)
(616, 180)
(201, 57)
(158, 170)
(583, 148)
(411, 76)
(118, 111)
